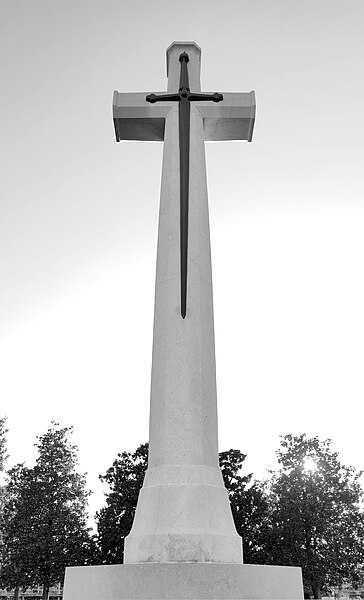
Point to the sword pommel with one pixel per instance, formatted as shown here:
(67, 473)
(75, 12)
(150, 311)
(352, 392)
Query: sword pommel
(217, 97)
(151, 98)
(183, 57)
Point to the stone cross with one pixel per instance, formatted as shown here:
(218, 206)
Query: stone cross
(183, 512)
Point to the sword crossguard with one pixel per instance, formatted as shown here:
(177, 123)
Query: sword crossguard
(152, 98)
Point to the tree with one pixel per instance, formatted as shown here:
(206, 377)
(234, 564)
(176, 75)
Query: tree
(249, 506)
(62, 534)
(3, 432)
(316, 517)
(125, 479)
(3, 459)
(45, 515)
(17, 529)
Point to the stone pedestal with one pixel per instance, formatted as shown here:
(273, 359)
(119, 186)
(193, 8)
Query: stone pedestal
(183, 581)
(183, 514)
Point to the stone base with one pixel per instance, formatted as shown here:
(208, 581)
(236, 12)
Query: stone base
(183, 581)
(183, 515)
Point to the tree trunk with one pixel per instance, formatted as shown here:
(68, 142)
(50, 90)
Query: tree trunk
(316, 590)
(16, 593)
(45, 592)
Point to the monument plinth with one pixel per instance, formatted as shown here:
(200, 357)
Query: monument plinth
(183, 543)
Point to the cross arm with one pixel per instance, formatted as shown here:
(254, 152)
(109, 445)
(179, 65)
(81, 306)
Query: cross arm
(136, 119)
(231, 119)
(152, 98)
(216, 97)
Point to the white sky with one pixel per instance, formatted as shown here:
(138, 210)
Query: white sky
(79, 212)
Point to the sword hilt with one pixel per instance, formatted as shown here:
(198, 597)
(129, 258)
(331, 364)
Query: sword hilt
(184, 86)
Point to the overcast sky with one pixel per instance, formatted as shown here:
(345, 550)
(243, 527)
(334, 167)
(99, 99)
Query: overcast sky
(79, 216)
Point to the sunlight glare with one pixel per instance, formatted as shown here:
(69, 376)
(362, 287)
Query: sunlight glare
(309, 464)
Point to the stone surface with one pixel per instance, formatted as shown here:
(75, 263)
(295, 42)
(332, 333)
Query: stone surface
(231, 119)
(135, 119)
(183, 581)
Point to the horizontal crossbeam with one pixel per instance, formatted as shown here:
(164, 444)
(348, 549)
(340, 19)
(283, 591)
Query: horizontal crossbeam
(231, 119)
(136, 119)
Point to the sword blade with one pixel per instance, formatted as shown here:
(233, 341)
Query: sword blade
(184, 159)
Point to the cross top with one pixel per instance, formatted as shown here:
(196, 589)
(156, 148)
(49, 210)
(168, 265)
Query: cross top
(173, 54)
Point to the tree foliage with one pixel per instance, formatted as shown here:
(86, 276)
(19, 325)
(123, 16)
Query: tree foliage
(249, 506)
(17, 529)
(316, 515)
(44, 520)
(3, 432)
(3, 459)
(125, 478)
